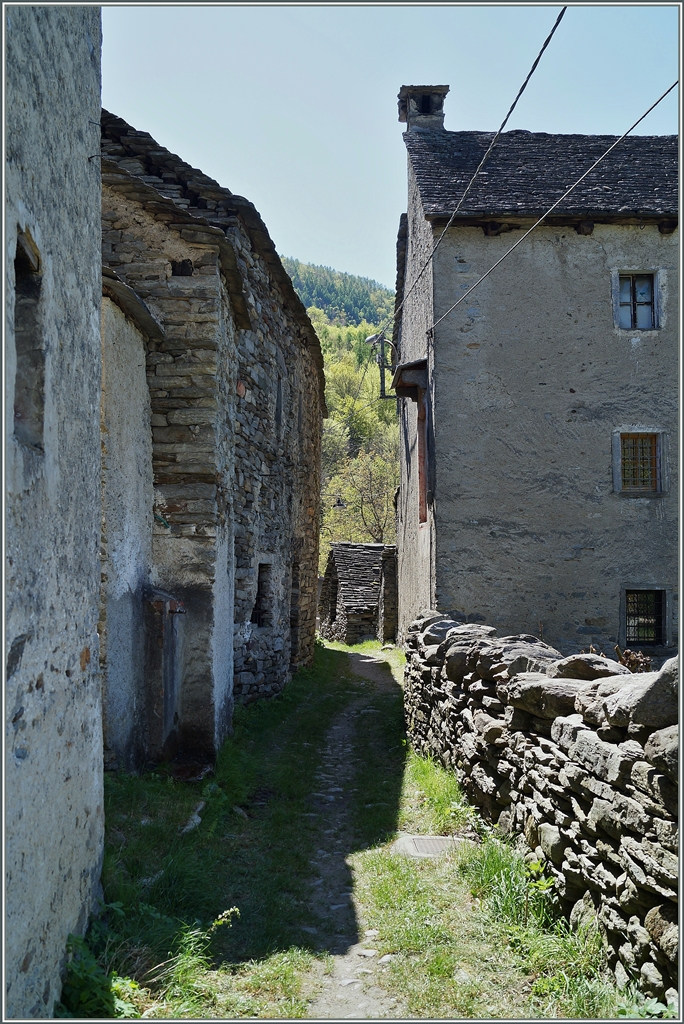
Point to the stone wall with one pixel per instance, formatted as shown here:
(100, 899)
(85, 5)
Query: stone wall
(277, 484)
(358, 598)
(236, 388)
(53, 730)
(578, 755)
(190, 380)
(388, 605)
(531, 527)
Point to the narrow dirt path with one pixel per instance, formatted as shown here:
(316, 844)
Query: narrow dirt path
(350, 991)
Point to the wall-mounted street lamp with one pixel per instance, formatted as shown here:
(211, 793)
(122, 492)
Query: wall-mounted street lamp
(379, 340)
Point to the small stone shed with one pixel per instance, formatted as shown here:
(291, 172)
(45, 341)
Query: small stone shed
(359, 593)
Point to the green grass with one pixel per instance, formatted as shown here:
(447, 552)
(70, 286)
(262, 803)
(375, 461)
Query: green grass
(472, 933)
(164, 889)
(432, 799)
(394, 656)
(476, 933)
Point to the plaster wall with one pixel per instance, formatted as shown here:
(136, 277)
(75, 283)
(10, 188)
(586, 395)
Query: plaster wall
(126, 533)
(414, 539)
(531, 379)
(53, 749)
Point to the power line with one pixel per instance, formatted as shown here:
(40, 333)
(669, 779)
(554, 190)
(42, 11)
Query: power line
(521, 90)
(551, 208)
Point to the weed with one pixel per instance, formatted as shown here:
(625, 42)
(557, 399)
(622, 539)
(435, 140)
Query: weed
(434, 797)
(88, 991)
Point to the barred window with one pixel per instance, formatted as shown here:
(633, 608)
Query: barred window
(636, 302)
(640, 462)
(645, 611)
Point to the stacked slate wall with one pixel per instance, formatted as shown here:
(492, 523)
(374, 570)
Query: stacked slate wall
(576, 754)
(276, 485)
(358, 598)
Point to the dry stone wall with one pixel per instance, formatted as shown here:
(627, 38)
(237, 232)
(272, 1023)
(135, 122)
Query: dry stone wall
(359, 593)
(277, 483)
(576, 754)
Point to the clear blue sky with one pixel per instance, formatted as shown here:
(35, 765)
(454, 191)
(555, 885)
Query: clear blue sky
(295, 107)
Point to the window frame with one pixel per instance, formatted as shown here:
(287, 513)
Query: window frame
(661, 471)
(658, 286)
(655, 649)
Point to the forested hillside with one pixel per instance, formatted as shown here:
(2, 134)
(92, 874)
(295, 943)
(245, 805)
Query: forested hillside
(344, 298)
(360, 471)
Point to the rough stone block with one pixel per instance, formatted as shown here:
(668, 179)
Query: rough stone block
(541, 696)
(662, 750)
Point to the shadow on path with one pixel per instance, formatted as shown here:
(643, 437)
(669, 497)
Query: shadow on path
(326, 780)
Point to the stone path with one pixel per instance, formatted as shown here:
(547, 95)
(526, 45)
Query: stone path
(351, 991)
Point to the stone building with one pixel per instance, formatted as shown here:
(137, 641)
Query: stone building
(226, 494)
(539, 418)
(359, 593)
(163, 403)
(53, 733)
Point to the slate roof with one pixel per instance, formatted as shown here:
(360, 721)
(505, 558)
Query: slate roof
(527, 171)
(154, 173)
(358, 573)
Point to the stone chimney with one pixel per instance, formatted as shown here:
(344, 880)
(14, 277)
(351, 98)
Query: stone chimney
(422, 106)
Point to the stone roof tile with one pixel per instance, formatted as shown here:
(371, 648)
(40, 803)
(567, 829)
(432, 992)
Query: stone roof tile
(151, 167)
(528, 171)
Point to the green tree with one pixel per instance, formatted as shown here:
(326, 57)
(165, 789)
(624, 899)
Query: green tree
(360, 445)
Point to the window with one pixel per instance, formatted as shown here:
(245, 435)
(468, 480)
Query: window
(639, 463)
(181, 268)
(279, 405)
(636, 302)
(263, 606)
(645, 617)
(422, 458)
(29, 385)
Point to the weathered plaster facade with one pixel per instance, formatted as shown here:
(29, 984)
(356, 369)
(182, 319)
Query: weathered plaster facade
(529, 383)
(53, 751)
(127, 517)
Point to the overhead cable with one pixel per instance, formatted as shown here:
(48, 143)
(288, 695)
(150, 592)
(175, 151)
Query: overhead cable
(521, 90)
(551, 208)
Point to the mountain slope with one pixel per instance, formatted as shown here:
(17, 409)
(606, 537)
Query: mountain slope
(345, 298)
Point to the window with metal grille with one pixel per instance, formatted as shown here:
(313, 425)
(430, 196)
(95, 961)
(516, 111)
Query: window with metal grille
(645, 611)
(639, 458)
(636, 302)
